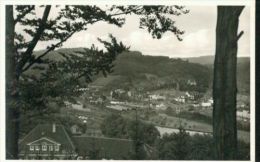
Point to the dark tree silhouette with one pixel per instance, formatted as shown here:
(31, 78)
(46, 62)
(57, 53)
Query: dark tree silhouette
(20, 55)
(257, 63)
(175, 146)
(225, 82)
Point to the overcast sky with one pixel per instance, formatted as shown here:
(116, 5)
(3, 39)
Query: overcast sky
(199, 38)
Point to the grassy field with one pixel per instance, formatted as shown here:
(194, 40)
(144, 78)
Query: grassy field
(174, 122)
(97, 114)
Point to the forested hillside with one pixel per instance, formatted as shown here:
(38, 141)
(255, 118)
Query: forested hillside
(134, 70)
(243, 70)
(143, 72)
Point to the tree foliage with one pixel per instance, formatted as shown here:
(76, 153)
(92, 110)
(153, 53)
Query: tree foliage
(141, 133)
(59, 80)
(115, 125)
(31, 29)
(73, 19)
(154, 18)
(183, 146)
(175, 146)
(25, 29)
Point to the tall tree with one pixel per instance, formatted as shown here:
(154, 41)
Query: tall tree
(257, 74)
(20, 58)
(20, 55)
(225, 82)
(175, 146)
(11, 84)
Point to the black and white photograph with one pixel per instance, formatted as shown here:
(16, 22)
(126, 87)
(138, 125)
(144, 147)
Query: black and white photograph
(128, 81)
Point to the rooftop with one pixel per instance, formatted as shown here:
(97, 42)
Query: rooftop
(46, 130)
(109, 148)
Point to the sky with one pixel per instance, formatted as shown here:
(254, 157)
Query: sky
(198, 40)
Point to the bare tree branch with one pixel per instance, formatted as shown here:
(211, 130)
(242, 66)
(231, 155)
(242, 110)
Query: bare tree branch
(46, 52)
(28, 52)
(239, 35)
(23, 69)
(55, 46)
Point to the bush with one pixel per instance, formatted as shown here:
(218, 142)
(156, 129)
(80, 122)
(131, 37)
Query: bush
(201, 147)
(175, 146)
(114, 126)
(243, 151)
(182, 146)
(117, 126)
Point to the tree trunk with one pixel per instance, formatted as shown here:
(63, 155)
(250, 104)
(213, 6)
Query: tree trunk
(224, 83)
(13, 71)
(12, 112)
(257, 83)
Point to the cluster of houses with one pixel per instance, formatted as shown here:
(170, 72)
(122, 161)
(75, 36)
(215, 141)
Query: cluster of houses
(118, 95)
(77, 106)
(207, 104)
(93, 88)
(180, 99)
(150, 100)
(160, 106)
(157, 97)
(124, 106)
(125, 100)
(93, 94)
(131, 95)
(188, 96)
(115, 94)
(83, 118)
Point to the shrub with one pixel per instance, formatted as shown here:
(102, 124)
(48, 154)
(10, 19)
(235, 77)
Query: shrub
(182, 146)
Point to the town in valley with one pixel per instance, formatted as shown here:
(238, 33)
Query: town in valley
(167, 104)
(128, 82)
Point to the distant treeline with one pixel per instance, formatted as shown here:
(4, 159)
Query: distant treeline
(134, 70)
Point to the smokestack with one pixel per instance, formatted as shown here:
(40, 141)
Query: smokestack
(53, 128)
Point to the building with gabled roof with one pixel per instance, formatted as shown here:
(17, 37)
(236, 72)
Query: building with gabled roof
(103, 147)
(51, 141)
(47, 141)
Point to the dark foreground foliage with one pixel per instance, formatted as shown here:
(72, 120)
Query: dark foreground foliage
(117, 126)
(182, 146)
(175, 146)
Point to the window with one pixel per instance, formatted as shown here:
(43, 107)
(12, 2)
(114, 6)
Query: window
(50, 148)
(31, 148)
(56, 148)
(44, 147)
(37, 148)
